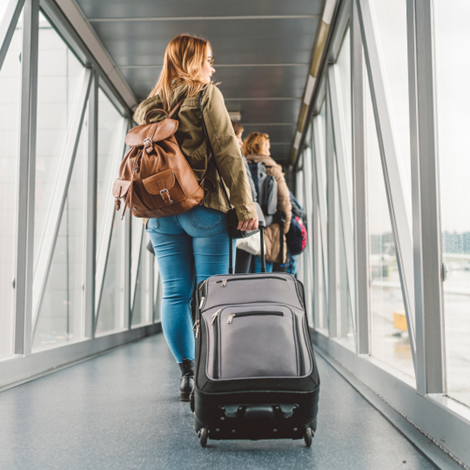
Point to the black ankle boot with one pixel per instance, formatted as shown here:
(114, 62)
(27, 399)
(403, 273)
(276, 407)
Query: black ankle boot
(187, 379)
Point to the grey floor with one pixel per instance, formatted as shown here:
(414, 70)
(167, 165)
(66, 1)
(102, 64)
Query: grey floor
(121, 411)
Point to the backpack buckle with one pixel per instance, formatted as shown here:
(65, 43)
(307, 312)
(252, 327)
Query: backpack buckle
(148, 145)
(165, 194)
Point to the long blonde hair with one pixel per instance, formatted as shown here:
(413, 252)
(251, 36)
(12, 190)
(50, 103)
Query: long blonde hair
(184, 57)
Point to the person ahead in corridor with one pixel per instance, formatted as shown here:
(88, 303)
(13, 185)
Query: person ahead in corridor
(196, 242)
(256, 148)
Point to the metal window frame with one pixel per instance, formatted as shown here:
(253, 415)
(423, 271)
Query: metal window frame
(331, 208)
(361, 236)
(320, 161)
(299, 191)
(314, 239)
(309, 280)
(26, 181)
(126, 273)
(91, 210)
(430, 362)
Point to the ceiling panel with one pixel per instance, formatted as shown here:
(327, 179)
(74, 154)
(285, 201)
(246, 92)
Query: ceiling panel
(281, 152)
(264, 111)
(262, 51)
(172, 8)
(234, 42)
(277, 133)
(235, 82)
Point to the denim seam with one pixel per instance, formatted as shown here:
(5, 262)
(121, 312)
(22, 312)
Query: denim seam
(178, 222)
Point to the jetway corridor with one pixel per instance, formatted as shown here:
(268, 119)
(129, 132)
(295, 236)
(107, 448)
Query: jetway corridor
(120, 410)
(365, 105)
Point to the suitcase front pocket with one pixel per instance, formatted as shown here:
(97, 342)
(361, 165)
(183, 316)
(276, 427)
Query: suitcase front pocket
(255, 342)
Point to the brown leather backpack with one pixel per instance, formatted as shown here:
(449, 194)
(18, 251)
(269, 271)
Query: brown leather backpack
(155, 179)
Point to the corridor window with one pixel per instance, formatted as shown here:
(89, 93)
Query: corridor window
(111, 311)
(391, 36)
(389, 330)
(453, 101)
(58, 255)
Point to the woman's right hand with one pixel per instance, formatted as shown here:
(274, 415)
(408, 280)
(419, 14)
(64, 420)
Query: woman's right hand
(248, 225)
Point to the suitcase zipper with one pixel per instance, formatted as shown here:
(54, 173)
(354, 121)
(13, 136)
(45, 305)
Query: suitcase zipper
(214, 317)
(248, 278)
(202, 302)
(196, 328)
(247, 314)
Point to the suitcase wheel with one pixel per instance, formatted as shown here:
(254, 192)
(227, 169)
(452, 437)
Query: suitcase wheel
(308, 435)
(191, 400)
(203, 436)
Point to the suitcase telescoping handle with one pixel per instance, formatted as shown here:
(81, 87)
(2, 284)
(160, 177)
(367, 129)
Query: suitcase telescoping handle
(263, 254)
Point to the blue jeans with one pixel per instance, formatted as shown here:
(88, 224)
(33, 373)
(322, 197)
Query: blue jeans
(257, 265)
(196, 242)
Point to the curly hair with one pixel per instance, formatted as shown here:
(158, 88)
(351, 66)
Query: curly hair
(254, 142)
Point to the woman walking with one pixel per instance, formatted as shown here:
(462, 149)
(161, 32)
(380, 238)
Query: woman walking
(257, 148)
(196, 242)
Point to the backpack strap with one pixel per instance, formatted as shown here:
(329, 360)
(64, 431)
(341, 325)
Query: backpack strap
(173, 111)
(169, 116)
(147, 116)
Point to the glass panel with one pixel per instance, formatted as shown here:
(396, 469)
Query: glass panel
(61, 318)
(59, 78)
(109, 144)
(453, 100)
(10, 90)
(111, 312)
(141, 303)
(391, 34)
(3, 7)
(345, 327)
(389, 333)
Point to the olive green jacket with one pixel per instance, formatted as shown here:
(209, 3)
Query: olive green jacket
(192, 141)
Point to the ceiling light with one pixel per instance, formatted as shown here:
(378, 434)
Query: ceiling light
(235, 115)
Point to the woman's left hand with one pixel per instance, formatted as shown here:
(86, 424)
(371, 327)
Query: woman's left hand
(248, 225)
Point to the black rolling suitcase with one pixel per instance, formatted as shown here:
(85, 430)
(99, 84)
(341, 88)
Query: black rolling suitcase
(255, 372)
